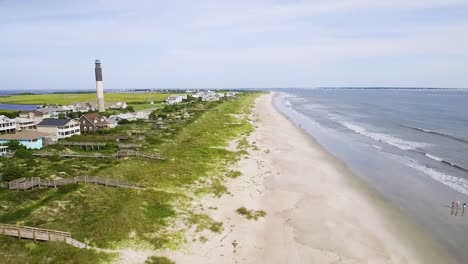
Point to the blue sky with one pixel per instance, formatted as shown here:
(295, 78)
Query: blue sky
(231, 44)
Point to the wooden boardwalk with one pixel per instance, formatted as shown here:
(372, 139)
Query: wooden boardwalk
(119, 154)
(40, 234)
(24, 184)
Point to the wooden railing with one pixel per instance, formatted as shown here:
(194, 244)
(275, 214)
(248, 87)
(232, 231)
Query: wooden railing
(40, 234)
(119, 154)
(31, 183)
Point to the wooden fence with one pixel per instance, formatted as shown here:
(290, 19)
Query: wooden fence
(31, 183)
(83, 145)
(119, 154)
(40, 234)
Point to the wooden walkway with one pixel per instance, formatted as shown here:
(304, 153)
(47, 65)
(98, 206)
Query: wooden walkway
(40, 234)
(31, 183)
(119, 154)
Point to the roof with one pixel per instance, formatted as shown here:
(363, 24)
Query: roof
(54, 122)
(24, 135)
(35, 112)
(6, 119)
(101, 121)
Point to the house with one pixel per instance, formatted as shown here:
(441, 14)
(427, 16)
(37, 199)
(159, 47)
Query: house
(81, 107)
(25, 124)
(3, 150)
(7, 125)
(230, 94)
(118, 105)
(174, 99)
(59, 128)
(37, 116)
(92, 122)
(53, 111)
(29, 139)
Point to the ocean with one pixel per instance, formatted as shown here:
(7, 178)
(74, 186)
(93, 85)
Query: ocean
(410, 145)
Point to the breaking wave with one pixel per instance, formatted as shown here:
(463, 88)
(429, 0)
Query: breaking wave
(381, 137)
(436, 133)
(456, 183)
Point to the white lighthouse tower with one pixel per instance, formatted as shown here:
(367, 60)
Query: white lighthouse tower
(99, 87)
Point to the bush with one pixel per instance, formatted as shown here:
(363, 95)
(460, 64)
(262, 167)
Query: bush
(23, 153)
(12, 172)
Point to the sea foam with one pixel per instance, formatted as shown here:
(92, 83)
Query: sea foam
(456, 183)
(389, 139)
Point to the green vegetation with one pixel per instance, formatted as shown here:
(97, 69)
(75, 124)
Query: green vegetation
(15, 251)
(158, 217)
(233, 174)
(158, 260)
(67, 98)
(251, 214)
(9, 113)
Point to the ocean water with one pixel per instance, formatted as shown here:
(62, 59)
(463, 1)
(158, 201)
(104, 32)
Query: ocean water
(410, 145)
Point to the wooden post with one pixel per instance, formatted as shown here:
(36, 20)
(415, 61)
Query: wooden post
(34, 235)
(55, 185)
(48, 235)
(106, 182)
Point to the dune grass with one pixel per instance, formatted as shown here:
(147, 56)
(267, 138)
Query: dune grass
(157, 217)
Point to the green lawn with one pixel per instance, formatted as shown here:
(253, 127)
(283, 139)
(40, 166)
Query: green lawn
(81, 97)
(157, 217)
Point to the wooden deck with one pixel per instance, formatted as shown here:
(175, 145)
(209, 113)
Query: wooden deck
(25, 184)
(40, 234)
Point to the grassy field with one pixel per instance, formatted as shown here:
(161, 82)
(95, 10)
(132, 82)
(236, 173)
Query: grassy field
(62, 99)
(157, 217)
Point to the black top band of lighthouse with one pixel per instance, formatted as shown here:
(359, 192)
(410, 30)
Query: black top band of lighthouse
(98, 71)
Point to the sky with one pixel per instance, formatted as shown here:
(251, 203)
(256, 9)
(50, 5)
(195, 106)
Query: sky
(52, 44)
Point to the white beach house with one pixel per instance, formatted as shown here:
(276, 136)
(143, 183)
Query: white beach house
(59, 128)
(7, 125)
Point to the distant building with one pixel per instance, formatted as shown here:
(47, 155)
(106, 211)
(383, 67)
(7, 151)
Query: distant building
(174, 99)
(7, 125)
(59, 128)
(29, 139)
(92, 122)
(25, 124)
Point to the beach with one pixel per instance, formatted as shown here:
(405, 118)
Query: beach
(317, 211)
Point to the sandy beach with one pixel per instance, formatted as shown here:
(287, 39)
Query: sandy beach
(317, 210)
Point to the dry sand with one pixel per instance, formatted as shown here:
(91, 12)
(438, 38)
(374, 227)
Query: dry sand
(317, 211)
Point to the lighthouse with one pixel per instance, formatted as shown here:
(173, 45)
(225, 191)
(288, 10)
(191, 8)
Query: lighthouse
(99, 87)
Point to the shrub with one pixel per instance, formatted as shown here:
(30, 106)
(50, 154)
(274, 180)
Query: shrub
(12, 172)
(158, 260)
(23, 153)
(233, 174)
(251, 214)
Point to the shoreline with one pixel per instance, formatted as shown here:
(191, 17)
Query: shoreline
(317, 210)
